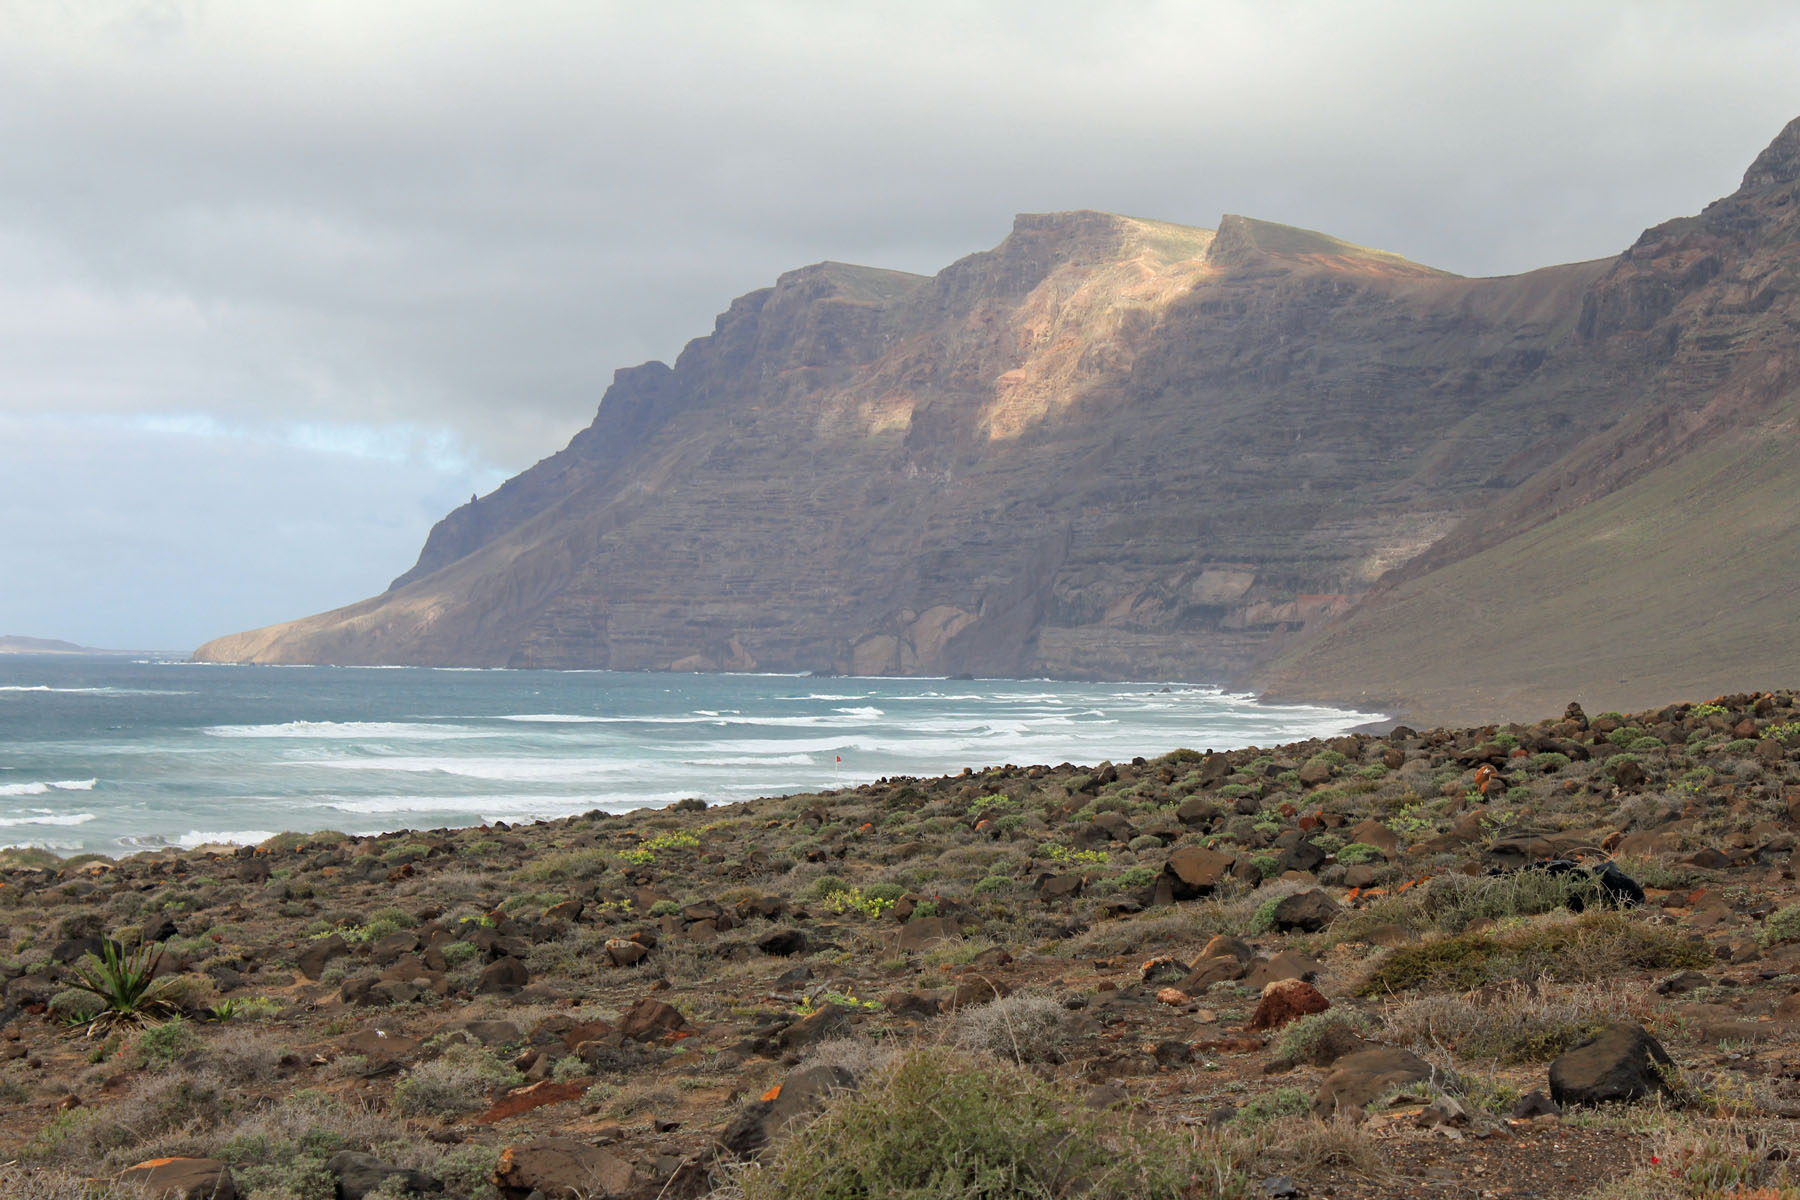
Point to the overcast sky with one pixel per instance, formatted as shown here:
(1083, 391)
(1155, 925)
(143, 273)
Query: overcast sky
(282, 282)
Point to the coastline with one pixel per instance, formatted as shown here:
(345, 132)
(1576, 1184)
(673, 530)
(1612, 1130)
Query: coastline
(106, 754)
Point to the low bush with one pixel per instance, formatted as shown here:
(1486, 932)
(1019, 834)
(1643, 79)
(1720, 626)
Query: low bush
(938, 1124)
(1282, 1102)
(458, 1082)
(1518, 1024)
(1595, 945)
(1023, 1027)
(1307, 1039)
(1782, 925)
(1448, 903)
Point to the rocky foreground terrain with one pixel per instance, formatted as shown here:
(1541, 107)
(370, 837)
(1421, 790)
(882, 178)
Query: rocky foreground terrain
(1368, 966)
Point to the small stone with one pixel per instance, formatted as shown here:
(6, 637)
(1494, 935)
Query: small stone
(783, 943)
(623, 952)
(1535, 1104)
(359, 1174)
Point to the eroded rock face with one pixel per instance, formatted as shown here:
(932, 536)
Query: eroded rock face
(994, 470)
(1112, 447)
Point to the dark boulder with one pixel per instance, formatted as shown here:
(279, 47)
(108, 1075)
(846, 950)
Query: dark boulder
(1308, 911)
(1619, 1064)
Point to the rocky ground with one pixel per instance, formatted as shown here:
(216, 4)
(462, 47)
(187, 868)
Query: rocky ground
(1368, 966)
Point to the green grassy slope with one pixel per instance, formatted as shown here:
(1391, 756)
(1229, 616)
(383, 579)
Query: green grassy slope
(1684, 582)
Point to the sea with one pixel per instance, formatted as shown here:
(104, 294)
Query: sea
(116, 755)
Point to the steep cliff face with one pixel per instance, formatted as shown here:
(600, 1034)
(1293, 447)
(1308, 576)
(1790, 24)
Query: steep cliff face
(1108, 447)
(1660, 553)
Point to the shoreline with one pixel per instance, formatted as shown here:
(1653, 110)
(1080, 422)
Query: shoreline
(526, 745)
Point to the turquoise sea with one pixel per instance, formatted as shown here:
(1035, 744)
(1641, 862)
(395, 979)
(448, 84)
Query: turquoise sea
(115, 755)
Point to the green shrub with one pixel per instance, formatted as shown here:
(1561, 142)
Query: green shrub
(938, 1124)
(160, 1045)
(76, 1005)
(1782, 925)
(1595, 945)
(1137, 877)
(564, 866)
(1263, 919)
(1300, 1040)
(826, 885)
(457, 1082)
(458, 953)
(1282, 1102)
(1358, 852)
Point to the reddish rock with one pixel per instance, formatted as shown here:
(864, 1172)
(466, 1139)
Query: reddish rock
(831, 1020)
(318, 953)
(1225, 946)
(538, 1095)
(1194, 870)
(651, 1020)
(1286, 1000)
(1373, 833)
(1208, 971)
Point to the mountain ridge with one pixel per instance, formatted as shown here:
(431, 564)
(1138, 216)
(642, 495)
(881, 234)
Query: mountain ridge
(1108, 447)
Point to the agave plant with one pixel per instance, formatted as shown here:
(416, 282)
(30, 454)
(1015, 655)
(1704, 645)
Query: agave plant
(127, 985)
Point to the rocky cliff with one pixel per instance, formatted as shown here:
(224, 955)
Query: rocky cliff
(1117, 447)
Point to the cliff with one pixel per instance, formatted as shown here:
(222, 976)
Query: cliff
(1112, 447)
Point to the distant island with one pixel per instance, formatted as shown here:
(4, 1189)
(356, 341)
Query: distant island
(12, 643)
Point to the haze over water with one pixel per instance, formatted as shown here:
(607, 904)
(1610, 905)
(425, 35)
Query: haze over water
(113, 755)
